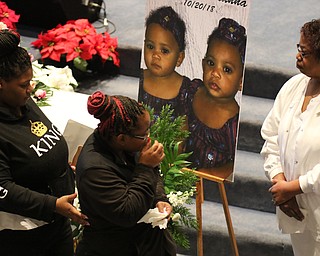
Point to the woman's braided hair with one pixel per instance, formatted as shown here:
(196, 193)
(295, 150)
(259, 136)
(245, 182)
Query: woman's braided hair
(117, 114)
(14, 60)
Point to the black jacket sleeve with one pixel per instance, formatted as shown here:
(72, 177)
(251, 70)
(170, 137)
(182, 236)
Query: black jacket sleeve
(23, 201)
(160, 192)
(106, 195)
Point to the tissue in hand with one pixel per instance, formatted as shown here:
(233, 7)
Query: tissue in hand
(156, 218)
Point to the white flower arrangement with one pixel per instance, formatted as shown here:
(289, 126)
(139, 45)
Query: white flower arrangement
(48, 78)
(180, 198)
(57, 78)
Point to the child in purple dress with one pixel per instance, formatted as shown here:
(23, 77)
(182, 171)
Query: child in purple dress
(213, 112)
(164, 47)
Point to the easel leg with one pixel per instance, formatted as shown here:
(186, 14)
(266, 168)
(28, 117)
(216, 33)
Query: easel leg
(228, 218)
(199, 201)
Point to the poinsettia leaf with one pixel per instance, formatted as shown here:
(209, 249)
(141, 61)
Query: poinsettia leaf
(80, 64)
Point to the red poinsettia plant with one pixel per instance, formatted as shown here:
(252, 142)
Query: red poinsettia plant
(78, 42)
(8, 16)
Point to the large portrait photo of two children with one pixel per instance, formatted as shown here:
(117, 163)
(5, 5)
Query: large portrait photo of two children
(193, 62)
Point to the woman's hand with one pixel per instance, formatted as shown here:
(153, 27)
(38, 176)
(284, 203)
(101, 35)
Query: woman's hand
(64, 207)
(164, 205)
(152, 155)
(283, 191)
(291, 208)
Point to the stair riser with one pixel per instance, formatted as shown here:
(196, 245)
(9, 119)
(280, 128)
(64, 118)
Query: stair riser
(263, 83)
(249, 138)
(218, 244)
(243, 192)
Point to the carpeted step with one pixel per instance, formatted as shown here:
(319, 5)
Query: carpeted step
(249, 188)
(256, 233)
(119, 85)
(253, 111)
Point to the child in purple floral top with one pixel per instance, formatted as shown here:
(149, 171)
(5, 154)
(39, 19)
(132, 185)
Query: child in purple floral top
(178, 103)
(164, 47)
(213, 111)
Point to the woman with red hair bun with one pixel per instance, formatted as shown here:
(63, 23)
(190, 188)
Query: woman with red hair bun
(118, 182)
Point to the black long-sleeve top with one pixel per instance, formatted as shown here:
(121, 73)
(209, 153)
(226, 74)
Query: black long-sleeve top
(115, 195)
(34, 167)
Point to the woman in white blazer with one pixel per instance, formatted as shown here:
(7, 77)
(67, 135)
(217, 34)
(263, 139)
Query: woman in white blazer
(292, 147)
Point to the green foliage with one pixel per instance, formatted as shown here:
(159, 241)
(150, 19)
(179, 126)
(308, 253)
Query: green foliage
(166, 129)
(178, 236)
(179, 185)
(176, 228)
(171, 167)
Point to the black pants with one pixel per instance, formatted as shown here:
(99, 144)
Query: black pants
(141, 240)
(54, 239)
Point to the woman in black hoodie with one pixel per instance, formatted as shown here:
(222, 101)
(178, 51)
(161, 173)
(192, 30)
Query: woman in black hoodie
(36, 181)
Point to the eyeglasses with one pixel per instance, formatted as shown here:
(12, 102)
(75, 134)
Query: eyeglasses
(144, 138)
(303, 53)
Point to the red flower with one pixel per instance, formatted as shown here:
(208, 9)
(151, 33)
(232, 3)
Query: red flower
(77, 39)
(66, 32)
(8, 16)
(84, 28)
(84, 51)
(71, 49)
(87, 51)
(106, 48)
(50, 48)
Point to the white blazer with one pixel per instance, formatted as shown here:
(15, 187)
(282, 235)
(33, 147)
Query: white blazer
(298, 158)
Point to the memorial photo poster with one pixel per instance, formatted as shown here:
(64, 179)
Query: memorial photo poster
(198, 77)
